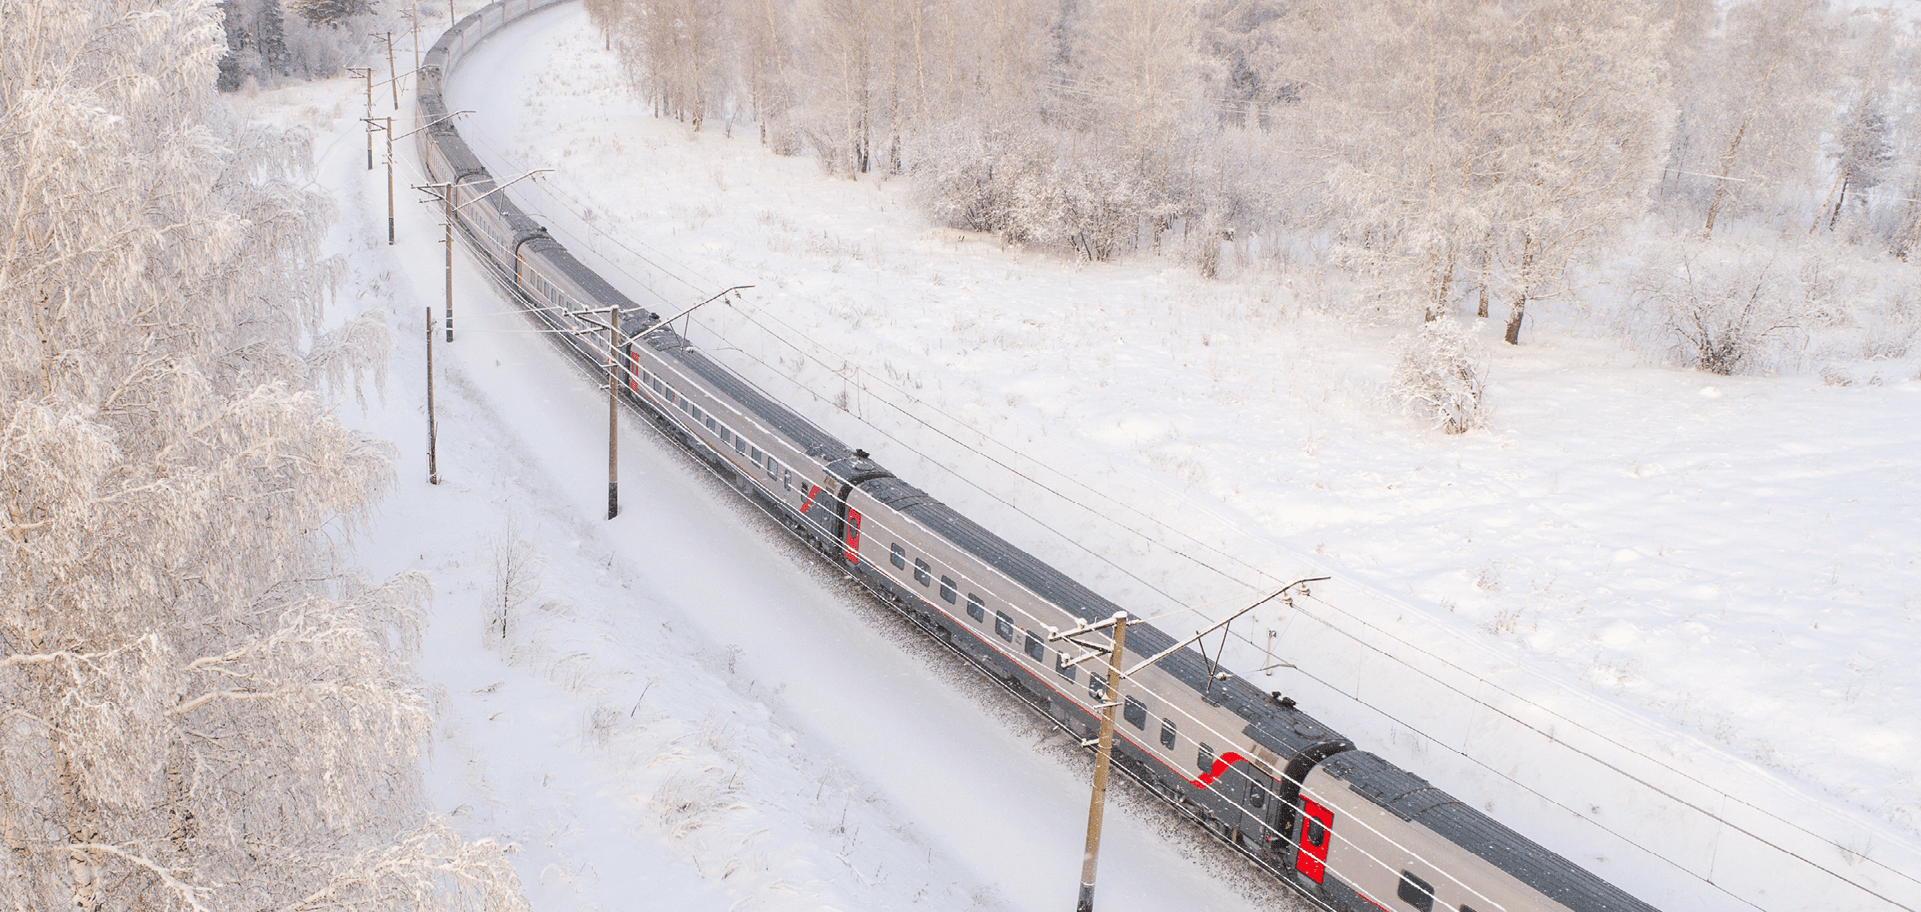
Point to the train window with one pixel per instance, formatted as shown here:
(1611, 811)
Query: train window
(1256, 795)
(726, 435)
(1135, 712)
(921, 575)
(1096, 685)
(1415, 892)
(754, 455)
(773, 468)
(1004, 625)
(976, 608)
(787, 481)
(1060, 665)
(1035, 650)
(1167, 733)
(947, 591)
(1316, 834)
(710, 422)
(1205, 760)
(897, 556)
(695, 411)
(740, 444)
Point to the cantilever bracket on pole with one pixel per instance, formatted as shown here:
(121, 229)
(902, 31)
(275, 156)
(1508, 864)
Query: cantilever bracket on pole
(1223, 622)
(429, 124)
(499, 188)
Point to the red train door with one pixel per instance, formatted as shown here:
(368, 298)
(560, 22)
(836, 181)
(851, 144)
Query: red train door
(1317, 824)
(850, 535)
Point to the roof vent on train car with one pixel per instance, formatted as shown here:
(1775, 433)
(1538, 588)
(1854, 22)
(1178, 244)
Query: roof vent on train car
(861, 454)
(1286, 702)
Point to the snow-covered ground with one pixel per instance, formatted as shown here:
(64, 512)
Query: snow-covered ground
(683, 710)
(1644, 597)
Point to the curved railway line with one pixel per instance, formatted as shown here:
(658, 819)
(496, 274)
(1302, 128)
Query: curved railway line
(1344, 827)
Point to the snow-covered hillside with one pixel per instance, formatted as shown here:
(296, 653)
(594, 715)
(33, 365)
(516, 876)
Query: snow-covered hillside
(1643, 597)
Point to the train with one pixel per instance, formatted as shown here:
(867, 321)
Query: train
(1348, 829)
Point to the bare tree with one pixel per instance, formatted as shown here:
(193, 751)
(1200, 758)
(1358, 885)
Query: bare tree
(201, 711)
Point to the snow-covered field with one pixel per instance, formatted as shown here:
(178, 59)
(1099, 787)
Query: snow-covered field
(1646, 596)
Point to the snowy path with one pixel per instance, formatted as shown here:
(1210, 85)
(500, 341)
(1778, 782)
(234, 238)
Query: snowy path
(683, 711)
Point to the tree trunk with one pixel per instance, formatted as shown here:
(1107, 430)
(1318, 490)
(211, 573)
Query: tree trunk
(1443, 282)
(1519, 310)
(1721, 186)
(1487, 253)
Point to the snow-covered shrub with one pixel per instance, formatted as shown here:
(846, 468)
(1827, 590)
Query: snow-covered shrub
(1725, 311)
(1441, 376)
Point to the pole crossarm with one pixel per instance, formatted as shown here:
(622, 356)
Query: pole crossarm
(583, 316)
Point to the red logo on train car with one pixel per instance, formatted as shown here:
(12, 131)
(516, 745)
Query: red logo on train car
(1312, 859)
(1221, 764)
(853, 535)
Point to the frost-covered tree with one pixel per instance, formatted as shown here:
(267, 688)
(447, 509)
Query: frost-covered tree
(198, 708)
(1753, 107)
(1578, 152)
(1506, 137)
(677, 50)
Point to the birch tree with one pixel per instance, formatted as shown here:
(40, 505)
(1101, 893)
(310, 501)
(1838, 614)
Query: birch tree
(198, 709)
(1754, 104)
(1579, 157)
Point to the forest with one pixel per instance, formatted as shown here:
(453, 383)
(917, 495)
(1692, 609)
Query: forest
(203, 705)
(1730, 186)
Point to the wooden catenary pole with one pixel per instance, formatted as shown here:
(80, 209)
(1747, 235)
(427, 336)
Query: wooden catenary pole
(369, 73)
(613, 411)
(393, 72)
(433, 430)
(390, 182)
(1102, 762)
(447, 201)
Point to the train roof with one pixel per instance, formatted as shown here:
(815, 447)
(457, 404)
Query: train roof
(812, 440)
(1410, 797)
(1280, 728)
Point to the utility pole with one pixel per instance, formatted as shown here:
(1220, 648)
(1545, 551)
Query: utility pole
(447, 207)
(1102, 761)
(393, 72)
(446, 189)
(390, 169)
(390, 182)
(433, 430)
(413, 18)
(368, 72)
(613, 413)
